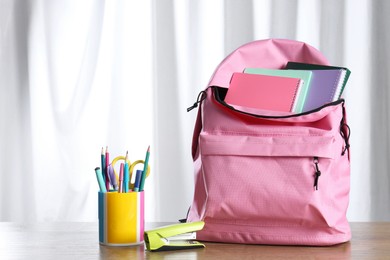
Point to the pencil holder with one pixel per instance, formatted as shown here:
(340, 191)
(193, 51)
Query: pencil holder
(121, 218)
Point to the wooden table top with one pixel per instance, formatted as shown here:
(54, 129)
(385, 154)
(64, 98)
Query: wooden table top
(77, 240)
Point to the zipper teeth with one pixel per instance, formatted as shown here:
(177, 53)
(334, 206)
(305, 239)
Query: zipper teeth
(222, 102)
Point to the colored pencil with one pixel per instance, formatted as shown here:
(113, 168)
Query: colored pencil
(106, 169)
(126, 175)
(121, 179)
(144, 172)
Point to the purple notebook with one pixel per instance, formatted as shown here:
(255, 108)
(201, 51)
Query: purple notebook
(325, 87)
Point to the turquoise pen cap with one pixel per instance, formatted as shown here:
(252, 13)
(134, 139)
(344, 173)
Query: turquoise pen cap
(100, 180)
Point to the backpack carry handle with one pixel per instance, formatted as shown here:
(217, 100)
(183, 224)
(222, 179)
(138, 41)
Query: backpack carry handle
(270, 53)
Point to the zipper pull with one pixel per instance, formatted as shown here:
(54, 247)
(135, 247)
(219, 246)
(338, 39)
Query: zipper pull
(345, 132)
(202, 96)
(317, 174)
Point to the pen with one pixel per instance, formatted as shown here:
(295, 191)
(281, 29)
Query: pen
(142, 183)
(106, 168)
(121, 179)
(103, 164)
(137, 180)
(126, 175)
(100, 180)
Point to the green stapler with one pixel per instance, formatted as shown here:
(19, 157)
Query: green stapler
(174, 237)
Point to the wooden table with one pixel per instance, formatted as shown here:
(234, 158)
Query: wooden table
(370, 240)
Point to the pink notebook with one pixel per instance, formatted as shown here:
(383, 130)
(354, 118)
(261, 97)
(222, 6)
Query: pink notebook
(263, 91)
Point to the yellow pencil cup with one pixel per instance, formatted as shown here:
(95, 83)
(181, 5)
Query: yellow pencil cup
(121, 218)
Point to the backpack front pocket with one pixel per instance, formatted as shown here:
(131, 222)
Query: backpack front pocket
(269, 179)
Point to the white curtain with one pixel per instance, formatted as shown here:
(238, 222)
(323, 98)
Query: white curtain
(76, 76)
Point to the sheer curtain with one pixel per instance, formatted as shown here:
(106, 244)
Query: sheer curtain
(77, 76)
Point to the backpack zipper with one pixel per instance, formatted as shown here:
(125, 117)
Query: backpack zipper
(201, 96)
(317, 173)
(222, 102)
(345, 132)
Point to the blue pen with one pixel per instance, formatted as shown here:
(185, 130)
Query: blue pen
(100, 180)
(137, 182)
(103, 164)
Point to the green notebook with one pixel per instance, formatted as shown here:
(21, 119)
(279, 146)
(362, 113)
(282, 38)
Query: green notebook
(304, 75)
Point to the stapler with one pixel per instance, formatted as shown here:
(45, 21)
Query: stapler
(174, 237)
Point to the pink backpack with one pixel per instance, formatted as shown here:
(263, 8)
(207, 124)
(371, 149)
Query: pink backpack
(266, 178)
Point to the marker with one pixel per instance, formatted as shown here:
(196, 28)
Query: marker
(112, 176)
(100, 180)
(121, 179)
(126, 175)
(137, 180)
(142, 183)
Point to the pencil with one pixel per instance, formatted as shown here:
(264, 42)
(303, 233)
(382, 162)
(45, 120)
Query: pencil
(106, 169)
(144, 172)
(126, 175)
(121, 179)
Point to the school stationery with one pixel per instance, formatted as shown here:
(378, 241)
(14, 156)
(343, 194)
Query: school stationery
(121, 178)
(174, 237)
(100, 180)
(325, 88)
(137, 182)
(313, 66)
(263, 92)
(340, 78)
(304, 75)
(103, 164)
(126, 176)
(121, 210)
(121, 218)
(113, 180)
(107, 163)
(126, 172)
(144, 172)
(269, 177)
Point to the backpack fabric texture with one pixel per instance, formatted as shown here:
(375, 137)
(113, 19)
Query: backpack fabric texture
(264, 177)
